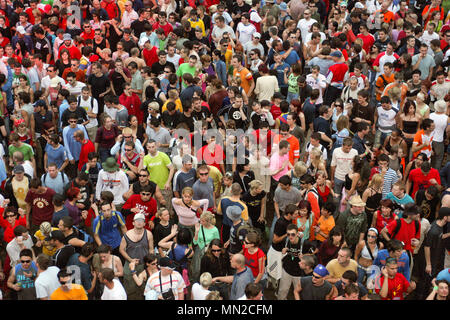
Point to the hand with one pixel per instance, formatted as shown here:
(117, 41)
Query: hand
(226, 244)
(433, 181)
(174, 229)
(6, 202)
(261, 219)
(80, 206)
(415, 242)
(21, 211)
(84, 214)
(16, 287)
(284, 250)
(197, 227)
(384, 272)
(413, 285)
(135, 210)
(119, 138)
(428, 269)
(167, 185)
(132, 265)
(151, 224)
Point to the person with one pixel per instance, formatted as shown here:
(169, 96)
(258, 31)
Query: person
(353, 221)
(22, 276)
(338, 266)
(366, 252)
(22, 240)
(67, 289)
(440, 291)
(80, 261)
(63, 251)
(394, 249)
(201, 289)
(172, 286)
(54, 178)
(349, 279)
(111, 178)
(113, 288)
(393, 284)
(255, 257)
(47, 277)
(72, 234)
(315, 287)
(140, 203)
(341, 161)
(422, 178)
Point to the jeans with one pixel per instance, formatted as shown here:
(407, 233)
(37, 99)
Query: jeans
(338, 185)
(380, 137)
(436, 159)
(272, 228)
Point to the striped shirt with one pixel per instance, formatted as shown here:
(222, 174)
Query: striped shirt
(177, 284)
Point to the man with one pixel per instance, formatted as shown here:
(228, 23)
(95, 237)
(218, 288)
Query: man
(294, 145)
(384, 79)
(16, 187)
(442, 128)
(394, 249)
(106, 227)
(63, 251)
(424, 62)
(80, 262)
(386, 117)
(367, 38)
(185, 177)
(51, 83)
(74, 52)
(42, 44)
(111, 178)
(126, 136)
(73, 147)
(129, 15)
(253, 44)
(349, 278)
(335, 77)
(423, 139)
(21, 241)
(113, 289)
(68, 290)
(72, 235)
(317, 80)
(315, 287)
(137, 236)
(90, 105)
(341, 163)
(160, 134)
(21, 278)
(393, 284)
(54, 179)
(247, 82)
(39, 204)
(73, 109)
(428, 201)
(423, 177)
(362, 111)
(99, 85)
(163, 24)
(387, 56)
(158, 67)
(341, 264)
(47, 277)
(279, 162)
(141, 203)
(80, 75)
(143, 181)
(82, 181)
(440, 87)
(73, 85)
(359, 143)
(24, 148)
(354, 222)
(322, 126)
(167, 283)
(399, 196)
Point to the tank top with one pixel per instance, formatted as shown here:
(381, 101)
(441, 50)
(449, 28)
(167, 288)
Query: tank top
(101, 45)
(388, 144)
(40, 119)
(324, 195)
(373, 201)
(28, 291)
(348, 182)
(139, 249)
(410, 127)
(365, 253)
(295, 181)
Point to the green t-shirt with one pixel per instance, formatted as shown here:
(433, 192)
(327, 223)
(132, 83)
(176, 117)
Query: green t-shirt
(210, 234)
(186, 68)
(292, 83)
(157, 168)
(26, 150)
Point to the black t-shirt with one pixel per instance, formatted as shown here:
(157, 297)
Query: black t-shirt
(128, 45)
(79, 112)
(235, 114)
(158, 68)
(362, 290)
(244, 182)
(138, 27)
(74, 235)
(280, 230)
(291, 260)
(99, 84)
(160, 232)
(245, 8)
(62, 256)
(363, 112)
(253, 204)
(188, 120)
(42, 46)
(428, 207)
(171, 121)
(202, 114)
(117, 81)
(137, 187)
(320, 124)
(434, 241)
(236, 240)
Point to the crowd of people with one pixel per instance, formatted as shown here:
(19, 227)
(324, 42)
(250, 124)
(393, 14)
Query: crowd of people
(235, 150)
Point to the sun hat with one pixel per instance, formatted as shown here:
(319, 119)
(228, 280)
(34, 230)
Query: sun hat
(110, 165)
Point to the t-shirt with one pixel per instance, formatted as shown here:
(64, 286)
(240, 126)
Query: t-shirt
(336, 270)
(147, 208)
(198, 292)
(433, 240)
(157, 168)
(76, 293)
(406, 233)
(26, 150)
(85, 271)
(107, 230)
(283, 197)
(276, 162)
(396, 287)
(252, 260)
(420, 138)
(428, 207)
(58, 155)
(172, 282)
(246, 77)
(420, 181)
(41, 206)
(343, 162)
(47, 282)
(116, 293)
(280, 230)
(185, 68)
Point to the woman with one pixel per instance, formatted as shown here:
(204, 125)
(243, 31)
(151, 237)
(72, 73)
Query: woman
(24, 87)
(266, 84)
(151, 267)
(342, 131)
(409, 122)
(305, 220)
(296, 173)
(371, 57)
(316, 162)
(207, 66)
(366, 252)
(255, 61)
(73, 194)
(120, 53)
(329, 249)
(372, 195)
(384, 216)
(395, 139)
(10, 218)
(326, 222)
(421, 158)
(440, 291)
(200, 289)
(216, 261)
(338, 111)
(179, 243)
(423, 109)
(63, 62)
(106, 138)
(351, 181)
(243, 175)
(188, 210)
(254, 257)
(162, 228)
(296, 107)
(255, 199)
(323, 186)
(205, 232)
(96, 23)
(138, 129)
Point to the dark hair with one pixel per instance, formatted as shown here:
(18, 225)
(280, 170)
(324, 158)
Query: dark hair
(104, 248)
(184, 236)
(303, 204)
(107, 274)
(252, 289)
(388, 204)
(394, 245)
(286, 180)
(19, 230)
(87, 249)
(350, 275)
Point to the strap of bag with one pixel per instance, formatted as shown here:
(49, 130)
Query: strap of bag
(368, 249)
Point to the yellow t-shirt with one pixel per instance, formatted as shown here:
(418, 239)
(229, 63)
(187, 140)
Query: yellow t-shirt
(336, 270)
(46, 248)
(325, 226)
(217, 176)
(178, 106)
(76, 293)
(20, 189)
(198, 23)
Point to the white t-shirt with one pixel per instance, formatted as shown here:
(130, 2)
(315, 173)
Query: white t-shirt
(177, 285)
(76, 91)
(310, 147)
(198, 292)
(116, 293)
(245, 32)
(90, 107)
(304, 26)
(13, 249)
(47, 282)
(175, 60)
(440, 122)
(343, 162)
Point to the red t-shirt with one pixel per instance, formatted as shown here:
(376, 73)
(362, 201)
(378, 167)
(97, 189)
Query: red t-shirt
(396, 287)
(420, 181)
(275, 111)
(89, 35)
(339, 70)
(148, 208)
(87, 147)
(382, 221)
(252, 260)
(74, 52)
(211, 158)
(41, 206)
(406, 232)
(150, 56)
(167, 28)
(265, 143)
(133, 105)
(8, 233)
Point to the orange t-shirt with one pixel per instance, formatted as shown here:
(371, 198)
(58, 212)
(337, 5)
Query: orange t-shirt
(246, 77)
(420, 138)
(380, 84)
(294, 150)
(76, 293)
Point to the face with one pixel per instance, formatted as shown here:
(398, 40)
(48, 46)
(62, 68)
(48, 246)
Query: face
(443, 289)
(346, 149)
(10, 217)
(104, 256)
(107, 211)
(203, 175)
(316, 279)
(216, 250)
(52, 171)
(423, 51)
(187, 197)
(392, 270)
(151, 147)
(342, 257)
(303, 212)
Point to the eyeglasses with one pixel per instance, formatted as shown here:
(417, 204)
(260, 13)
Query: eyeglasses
(152, 263)
(291, 234)
(246, 242)
(25, 261)
(126, 137)
(63, 282)
(86, 27)
(73, 121)
(203, 174)
(10, 215)
(145, 193)
(143, 175)
(316, 277)
(128, 149)
(369, 236)
(218, 250)
(73, 64)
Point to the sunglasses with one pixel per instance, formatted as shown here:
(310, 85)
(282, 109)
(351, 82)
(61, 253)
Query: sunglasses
(63, 282)
(73, 121)
(145, 193)
(143, 175)
(246, 242)
(218, 250)
(291, 234)
(25, 261)
(369, 236)
(316, 277)
(203, 174)
(126, 137)
(128, 149)
(10, 215)
(152, 263)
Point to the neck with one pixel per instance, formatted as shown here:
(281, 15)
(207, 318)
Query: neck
(109, 285)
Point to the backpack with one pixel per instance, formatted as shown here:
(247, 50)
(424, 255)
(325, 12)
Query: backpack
(92, 102)
(82, 235)
(248, 228)
(319, 198)
(178, 264)
(399, 225)
(44, 178)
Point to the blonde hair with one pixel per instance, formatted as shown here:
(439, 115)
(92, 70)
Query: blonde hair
(342, 122)
(187, 190)
(160, 212)
(421, 96)
(173, 94)
(255, 184)
(322, 173)
(213, 295)
(300, 168)
(154, 105)
(205, 279)
(376, 182)
(315, 156)
(208, 216)
(394, 93)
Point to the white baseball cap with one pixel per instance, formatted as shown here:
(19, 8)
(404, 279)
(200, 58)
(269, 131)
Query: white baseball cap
(21, 30)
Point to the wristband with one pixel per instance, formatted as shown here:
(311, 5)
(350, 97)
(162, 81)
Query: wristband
(86, 171)
(133, 271)
(436, 288)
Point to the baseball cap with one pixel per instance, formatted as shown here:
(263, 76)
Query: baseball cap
(359, 5)
(257, 35)
(336, 54)
(21, 30)
(321, 270)
(67, 36)
(165, 262)
(19, 169)
(55, 235)
(138, 216)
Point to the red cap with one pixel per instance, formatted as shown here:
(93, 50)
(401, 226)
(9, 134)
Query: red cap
(94, 58)
(445, 28)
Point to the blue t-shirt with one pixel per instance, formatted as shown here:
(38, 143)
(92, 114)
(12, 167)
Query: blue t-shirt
(280, 73)
(85, 271)
(56, 184)
(405, 200)
(224, 204)
(403, 262)
(57, 215)
(58, 155)
(292, 58)
(108, 230)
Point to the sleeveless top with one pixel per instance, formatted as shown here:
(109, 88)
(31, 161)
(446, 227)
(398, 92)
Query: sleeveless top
(178, 255)
(388, 144)
(365, 253)
(348, 182)
(295, 181)
(373, 201)
(28, 291)
(324, 195)
(137, 250)
(410, 127)
(101, 45)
